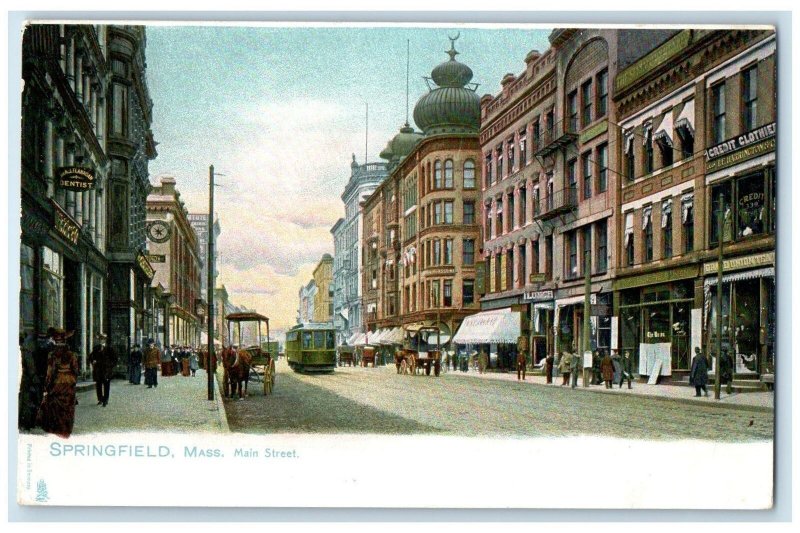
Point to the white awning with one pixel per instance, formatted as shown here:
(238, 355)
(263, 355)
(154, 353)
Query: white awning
(345, 312)
(664, 131)
(393, 336)
(666, 212)
(351, 341)
(686, 118)
(767, 272)
(647, 212)
(375, 338)
(497, 326)
(628, 228)
(360, 340)
(629, 141)
(687, 204)
(647, 133)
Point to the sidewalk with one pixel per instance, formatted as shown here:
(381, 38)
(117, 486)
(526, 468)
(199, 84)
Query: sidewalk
(758, 401)
(178, 404)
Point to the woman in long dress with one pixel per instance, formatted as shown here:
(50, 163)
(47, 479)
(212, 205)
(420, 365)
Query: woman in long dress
(58, 405)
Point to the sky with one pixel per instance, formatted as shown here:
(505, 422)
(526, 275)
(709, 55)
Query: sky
(279, 111)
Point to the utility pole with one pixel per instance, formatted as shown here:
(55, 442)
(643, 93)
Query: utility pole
(211, 267)
(587, 309)
(718, 359)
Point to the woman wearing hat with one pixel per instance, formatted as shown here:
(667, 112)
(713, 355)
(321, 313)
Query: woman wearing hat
(58, 406)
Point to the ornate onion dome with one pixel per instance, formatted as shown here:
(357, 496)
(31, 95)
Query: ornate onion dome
(451, 107)
(401, 145)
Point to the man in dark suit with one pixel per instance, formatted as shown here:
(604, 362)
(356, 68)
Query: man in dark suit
(103, 359)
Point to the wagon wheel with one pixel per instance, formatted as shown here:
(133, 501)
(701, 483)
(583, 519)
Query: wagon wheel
(271, 375)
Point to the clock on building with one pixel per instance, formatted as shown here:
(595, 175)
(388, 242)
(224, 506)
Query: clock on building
(158, 231)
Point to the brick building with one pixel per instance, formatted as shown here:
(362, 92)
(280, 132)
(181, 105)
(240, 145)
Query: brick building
(697, 117)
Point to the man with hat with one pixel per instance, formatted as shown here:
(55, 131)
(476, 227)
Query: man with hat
(103, 359)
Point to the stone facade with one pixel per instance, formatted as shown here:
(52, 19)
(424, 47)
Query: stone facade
(172, 237)
(323, 299)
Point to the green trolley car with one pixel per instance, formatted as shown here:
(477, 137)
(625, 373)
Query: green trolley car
(311, 347)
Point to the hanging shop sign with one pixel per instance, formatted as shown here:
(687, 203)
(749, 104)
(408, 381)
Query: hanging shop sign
(157, 258)
(65, 225)
(739, 263)
(592, 132)
(145, 265)
(75, 178)
(480, 277)
(538, 296)
(738, 149)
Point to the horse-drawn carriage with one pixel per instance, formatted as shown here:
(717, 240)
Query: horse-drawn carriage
(250, 363)
(417, 353)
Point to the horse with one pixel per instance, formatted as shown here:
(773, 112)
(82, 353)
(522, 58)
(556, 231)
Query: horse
(237, 369)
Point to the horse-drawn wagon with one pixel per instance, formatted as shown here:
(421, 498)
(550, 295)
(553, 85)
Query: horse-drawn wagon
(418, 353)
(248, 363)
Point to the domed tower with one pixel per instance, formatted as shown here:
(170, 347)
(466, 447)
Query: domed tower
(400, 145)
(452, 106)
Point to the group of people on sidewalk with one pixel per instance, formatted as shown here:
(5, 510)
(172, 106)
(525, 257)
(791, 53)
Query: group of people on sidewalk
(698, 376)
(181, 359)
(606, 368)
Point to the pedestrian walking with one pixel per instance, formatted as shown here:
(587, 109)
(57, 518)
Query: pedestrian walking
(575, 366)
(193, 362)
(597, 377)
(522, 356)
(627, 369)
(57, 413)
(166, 361)
(483, 361)
(616, 361)
(726, 371)
(135, 365)
(103, 359)
(607, 369)
(563, 366)
(185, 362)
(152, 358)
(699, 373)
(548, 368)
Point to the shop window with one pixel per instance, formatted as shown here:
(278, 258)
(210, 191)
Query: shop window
(469, 174)
(468, 292)
(749, 98)
(52, 293)
(448, 174)
(724, 192)
(26, 289)
(604, 324)
(750, 206)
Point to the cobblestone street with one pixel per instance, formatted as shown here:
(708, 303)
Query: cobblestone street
(358, 400)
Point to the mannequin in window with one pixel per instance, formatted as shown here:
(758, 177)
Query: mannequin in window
(727, 225)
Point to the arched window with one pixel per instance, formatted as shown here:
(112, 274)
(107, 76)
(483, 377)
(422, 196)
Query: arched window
(469, 174)
(448, 173)
(437, 175)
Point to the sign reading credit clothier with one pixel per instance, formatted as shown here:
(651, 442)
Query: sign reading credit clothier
(75, 178)
(746, 146)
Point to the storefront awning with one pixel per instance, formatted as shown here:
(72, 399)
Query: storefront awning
(360, 340)
(352, 338)
(500, 326)
(738, 276)
(375, 337)
(393, 336)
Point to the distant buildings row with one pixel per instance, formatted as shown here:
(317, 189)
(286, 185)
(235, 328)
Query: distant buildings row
(613, 151)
